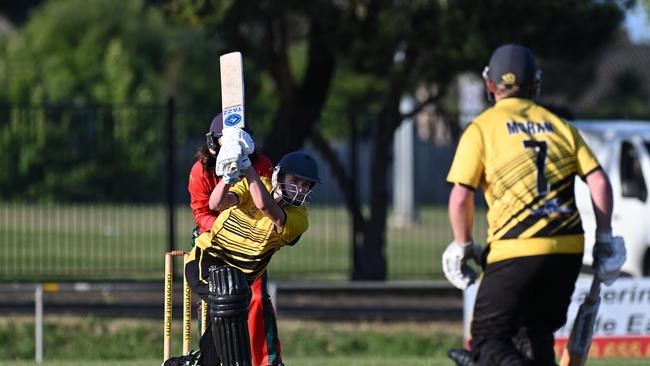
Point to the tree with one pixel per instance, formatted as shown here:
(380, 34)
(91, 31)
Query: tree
(70, 54)
(310, 49)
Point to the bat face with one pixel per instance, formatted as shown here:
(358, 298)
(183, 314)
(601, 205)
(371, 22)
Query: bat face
(232, 90)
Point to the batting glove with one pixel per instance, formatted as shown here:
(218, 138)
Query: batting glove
(228, 159)
(609, 255)
(244, 164)
(454, 264)
(231, 178)
(237, 136)
(246, 142)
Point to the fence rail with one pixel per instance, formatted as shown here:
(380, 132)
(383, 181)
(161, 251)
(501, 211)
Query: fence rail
(127, 242)
(96, 193)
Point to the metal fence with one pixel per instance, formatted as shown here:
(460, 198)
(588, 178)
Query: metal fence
(85, 195)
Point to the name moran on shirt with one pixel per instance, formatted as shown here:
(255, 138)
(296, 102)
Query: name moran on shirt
(529, 127)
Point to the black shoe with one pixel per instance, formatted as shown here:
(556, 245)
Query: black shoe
(191, 359)
(461, 357)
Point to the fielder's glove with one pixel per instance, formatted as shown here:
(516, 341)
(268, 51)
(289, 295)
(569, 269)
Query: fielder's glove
(609, 255)
(454, 264)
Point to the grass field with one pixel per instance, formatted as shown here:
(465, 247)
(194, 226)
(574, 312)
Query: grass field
(73, 341)
(99, 242)
(333, 361)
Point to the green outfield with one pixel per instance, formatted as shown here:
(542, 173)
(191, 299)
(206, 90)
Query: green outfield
(333, 361)
(110, 242)
(95, 341)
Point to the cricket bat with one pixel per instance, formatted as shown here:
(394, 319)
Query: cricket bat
(232, 93)
(579, 343)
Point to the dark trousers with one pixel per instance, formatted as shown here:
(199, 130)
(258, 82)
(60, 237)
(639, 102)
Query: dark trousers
(266, 347)
(196, 270)
(520, 303)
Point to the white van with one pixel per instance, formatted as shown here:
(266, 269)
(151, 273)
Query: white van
(623, 150)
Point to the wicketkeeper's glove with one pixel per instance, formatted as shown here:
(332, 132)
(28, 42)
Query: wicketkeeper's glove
(609, 255)
(454, 264)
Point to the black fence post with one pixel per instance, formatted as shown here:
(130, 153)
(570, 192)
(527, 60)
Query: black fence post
(171, 186)
(354, 178)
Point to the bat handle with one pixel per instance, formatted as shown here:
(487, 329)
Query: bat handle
(233, 168)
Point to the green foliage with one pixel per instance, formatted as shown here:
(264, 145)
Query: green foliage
(71, 58)
(82, 154)
(110, 52)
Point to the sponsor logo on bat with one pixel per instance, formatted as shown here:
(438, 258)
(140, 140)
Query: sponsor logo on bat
(232, 120)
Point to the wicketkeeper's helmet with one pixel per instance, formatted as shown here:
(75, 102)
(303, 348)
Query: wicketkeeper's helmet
(214, 134)
(298, 164)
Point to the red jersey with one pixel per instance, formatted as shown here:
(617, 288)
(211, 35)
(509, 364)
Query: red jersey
(201, 185)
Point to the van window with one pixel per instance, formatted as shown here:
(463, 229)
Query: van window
(632, 181)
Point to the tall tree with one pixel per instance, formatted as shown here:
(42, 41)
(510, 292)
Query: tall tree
(111, 53)
(312, 49)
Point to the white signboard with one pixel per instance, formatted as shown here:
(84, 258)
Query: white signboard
(622, 326)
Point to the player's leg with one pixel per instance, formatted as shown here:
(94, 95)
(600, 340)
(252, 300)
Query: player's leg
(497, 313)
(228, 306)
(548, 305)
(262, 325)
(197, 269)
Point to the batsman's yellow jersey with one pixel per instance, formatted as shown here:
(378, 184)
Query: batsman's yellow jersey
(243, 237)
(525, 158)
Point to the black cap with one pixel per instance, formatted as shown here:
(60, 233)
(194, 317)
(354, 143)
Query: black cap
(512, 64)
(216, 126)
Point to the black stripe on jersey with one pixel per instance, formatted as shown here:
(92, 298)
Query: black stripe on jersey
(240, 227)
(251, 263)
(536, 200)
(241, 249)
(591, 171)
(562, 226)
(563, 195)
(249, 226)
(295, 240)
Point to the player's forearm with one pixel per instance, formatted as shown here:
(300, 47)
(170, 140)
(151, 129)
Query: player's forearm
(601, 198)
(218, 197)
(461, 213)
(261, 196)
(263, 199)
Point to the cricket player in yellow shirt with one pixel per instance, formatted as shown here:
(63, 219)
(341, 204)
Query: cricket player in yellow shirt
(525, 159)
(258, 217)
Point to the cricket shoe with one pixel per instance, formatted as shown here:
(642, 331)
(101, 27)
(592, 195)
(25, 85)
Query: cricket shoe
(191, 359)
(461, 357)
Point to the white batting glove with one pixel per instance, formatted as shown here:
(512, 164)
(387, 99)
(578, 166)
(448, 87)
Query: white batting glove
(609, 255)
(246, 142)
(454, 264)
(231, 178)
(238, 136)
(228, 159)
(244, 164)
